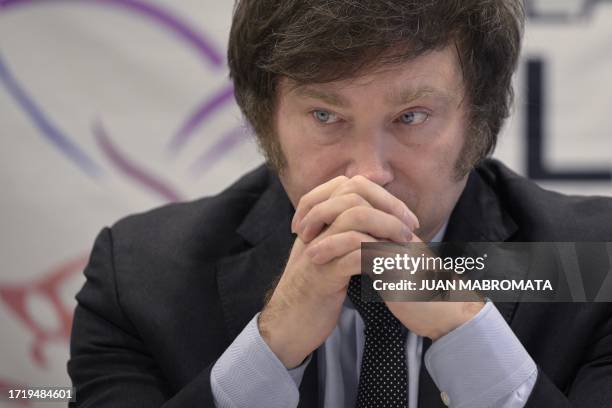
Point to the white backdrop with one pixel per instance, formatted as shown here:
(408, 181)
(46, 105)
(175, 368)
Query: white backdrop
(109, 107)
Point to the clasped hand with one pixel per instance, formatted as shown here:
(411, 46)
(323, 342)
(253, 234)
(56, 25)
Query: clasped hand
(331, 222)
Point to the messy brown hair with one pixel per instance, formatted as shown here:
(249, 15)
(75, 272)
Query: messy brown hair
(318, 41)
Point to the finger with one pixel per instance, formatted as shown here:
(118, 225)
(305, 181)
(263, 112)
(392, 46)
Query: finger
(416, 239)
(336, 245)
(326, 212)
(371, 221)
(380, 198)
(349, 264)
(313, 197)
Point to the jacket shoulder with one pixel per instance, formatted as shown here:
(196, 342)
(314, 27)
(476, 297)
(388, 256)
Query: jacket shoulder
(547, 215)
(206, 226)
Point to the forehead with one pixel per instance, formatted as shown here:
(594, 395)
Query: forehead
(435, 74)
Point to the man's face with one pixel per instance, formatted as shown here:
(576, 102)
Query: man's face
(402, 127)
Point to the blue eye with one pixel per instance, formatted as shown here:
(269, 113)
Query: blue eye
(413, 118)
(324, 117)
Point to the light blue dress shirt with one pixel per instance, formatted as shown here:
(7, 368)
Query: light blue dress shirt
(479, 364)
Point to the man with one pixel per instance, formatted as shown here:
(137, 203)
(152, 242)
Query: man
(375, 118)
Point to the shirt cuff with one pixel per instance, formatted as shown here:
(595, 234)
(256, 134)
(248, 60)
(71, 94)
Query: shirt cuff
(249, 374)
(481, 362)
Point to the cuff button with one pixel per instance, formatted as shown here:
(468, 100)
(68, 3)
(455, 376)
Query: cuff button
(445, 398)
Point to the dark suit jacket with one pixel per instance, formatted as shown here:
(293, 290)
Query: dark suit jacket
(167, 291)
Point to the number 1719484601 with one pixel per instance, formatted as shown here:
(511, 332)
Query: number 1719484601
(58, 394)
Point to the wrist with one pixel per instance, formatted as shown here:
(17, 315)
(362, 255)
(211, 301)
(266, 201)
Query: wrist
(275, 331)
(459, 313)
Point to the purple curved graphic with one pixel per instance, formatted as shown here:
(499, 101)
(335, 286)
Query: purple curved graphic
(189, 36)
(227, 142)
(130, 169)
(44, 124)
(206, 109)
(156, 13)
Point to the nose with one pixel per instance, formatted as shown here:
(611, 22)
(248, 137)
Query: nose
(370, 158)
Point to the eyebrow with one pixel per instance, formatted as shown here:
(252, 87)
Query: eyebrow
(394, 98)
(331, 98)
(406, 96)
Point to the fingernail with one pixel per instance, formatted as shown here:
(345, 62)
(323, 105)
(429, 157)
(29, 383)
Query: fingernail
(407, 233)
(293, 224)
(407, 217)
(412, 218)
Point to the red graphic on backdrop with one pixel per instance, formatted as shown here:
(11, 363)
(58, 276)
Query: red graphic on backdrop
(48, 286)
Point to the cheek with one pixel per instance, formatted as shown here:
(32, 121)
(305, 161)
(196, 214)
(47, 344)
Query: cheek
(428, 164)
(294, 136)
(444, 154)
(309, 163)
(428, 176)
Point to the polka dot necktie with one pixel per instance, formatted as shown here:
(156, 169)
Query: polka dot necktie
(383, 378)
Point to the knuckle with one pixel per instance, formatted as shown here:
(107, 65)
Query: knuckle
(356, 182)
(358, 215)
(303, 201)
(344, 188)
(314, 212)
(353, 183)
(355, 199)
(359, 178)
(340, 182)
(343, 218)
(325, 244)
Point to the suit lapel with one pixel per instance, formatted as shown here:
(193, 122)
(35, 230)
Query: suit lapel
(245, 278)
(480, 217)
(477, 217)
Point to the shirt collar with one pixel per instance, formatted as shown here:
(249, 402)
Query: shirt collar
(440, 234)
